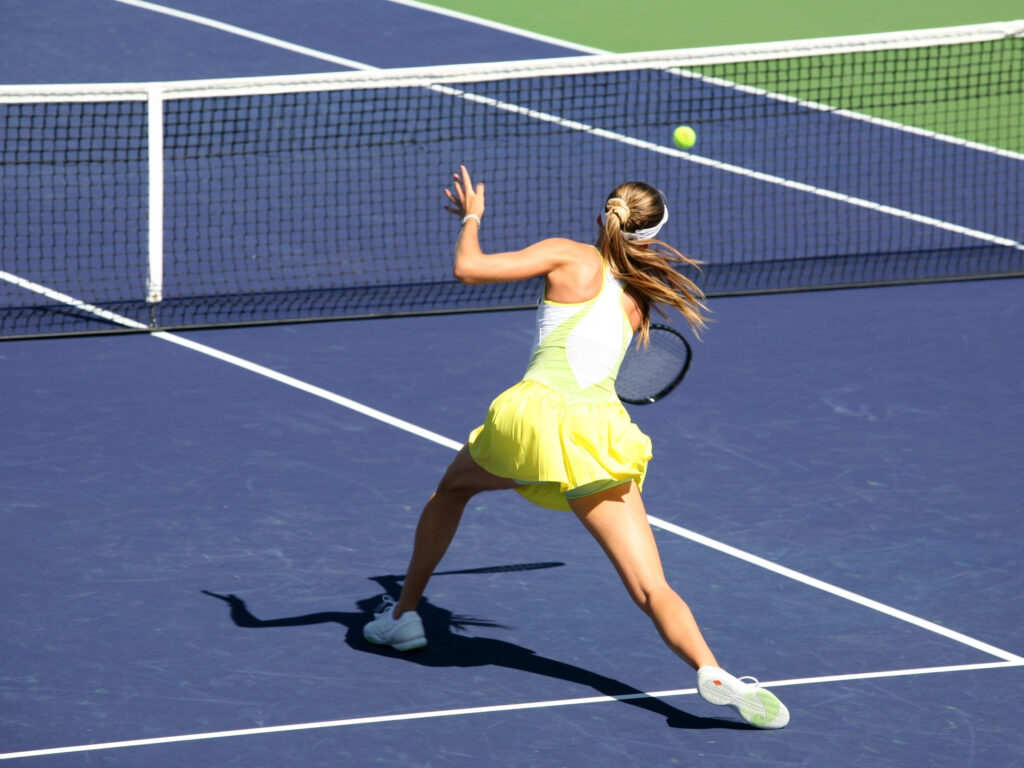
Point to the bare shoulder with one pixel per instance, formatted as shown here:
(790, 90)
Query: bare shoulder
(570, 249)
(579, 274)
(472, 266)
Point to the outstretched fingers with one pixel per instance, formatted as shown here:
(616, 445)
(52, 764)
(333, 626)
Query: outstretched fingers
(464, 198)
(456, 205)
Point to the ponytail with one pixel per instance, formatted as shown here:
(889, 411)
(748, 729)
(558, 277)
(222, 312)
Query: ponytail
(645, 264)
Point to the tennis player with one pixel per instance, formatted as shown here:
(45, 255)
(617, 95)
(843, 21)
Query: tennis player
(560, 437)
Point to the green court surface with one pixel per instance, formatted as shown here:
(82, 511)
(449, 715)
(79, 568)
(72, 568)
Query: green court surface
(617, 26)
(875, 84)
(979, 107)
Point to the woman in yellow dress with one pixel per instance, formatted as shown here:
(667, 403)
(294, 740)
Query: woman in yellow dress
(560, 437)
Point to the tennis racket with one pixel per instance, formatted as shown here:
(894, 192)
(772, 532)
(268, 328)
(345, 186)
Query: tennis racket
(648, 374)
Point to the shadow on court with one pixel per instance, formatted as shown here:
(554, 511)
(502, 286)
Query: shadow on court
(449, 648)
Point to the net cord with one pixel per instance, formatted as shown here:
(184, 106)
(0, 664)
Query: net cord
(467, 73)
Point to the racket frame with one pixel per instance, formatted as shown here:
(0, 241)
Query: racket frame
(659, 328)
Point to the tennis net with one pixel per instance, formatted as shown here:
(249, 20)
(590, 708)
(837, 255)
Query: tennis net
(819, 164)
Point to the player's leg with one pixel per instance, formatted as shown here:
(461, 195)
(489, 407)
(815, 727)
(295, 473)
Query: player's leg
(617, 519)
(399, 625)
(439, 521)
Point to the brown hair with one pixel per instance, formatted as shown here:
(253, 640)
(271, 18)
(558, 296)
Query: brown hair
(648, 267)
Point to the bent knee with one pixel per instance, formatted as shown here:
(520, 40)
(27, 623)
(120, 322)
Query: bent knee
(456, 483)
(466, 478)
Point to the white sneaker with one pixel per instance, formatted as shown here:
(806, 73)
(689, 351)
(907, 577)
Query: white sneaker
(403, 634)
(756, 705)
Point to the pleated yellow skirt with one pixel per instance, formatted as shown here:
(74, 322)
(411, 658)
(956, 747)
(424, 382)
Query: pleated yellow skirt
(551, 446)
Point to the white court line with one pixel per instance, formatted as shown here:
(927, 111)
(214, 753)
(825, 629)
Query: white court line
(241, 32)
(497, 25)
(248, 365)
(72, 302)
(277, 42)
(462, 712)
(291, 381)
(846, 594)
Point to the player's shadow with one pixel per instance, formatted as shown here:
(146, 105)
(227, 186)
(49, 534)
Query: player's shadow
(448, 648)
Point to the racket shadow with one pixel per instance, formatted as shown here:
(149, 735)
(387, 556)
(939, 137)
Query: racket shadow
(449, 647)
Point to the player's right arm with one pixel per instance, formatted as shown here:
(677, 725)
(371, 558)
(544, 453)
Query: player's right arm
(473, 266)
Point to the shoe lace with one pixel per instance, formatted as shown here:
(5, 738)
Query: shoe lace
(387, 602)
(750, 681)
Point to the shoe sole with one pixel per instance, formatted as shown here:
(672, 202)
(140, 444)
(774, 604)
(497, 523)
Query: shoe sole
(410, 645)
(407, 645)
(760, 707)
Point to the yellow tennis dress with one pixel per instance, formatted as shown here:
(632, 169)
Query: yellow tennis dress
(562, 431)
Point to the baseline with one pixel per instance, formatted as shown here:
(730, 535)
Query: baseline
(522, 706)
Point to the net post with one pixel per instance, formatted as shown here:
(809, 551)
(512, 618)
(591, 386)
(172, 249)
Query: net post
(155, 153)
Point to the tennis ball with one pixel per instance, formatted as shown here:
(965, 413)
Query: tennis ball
(684, 137)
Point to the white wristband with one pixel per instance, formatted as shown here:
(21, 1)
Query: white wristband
(469, 216)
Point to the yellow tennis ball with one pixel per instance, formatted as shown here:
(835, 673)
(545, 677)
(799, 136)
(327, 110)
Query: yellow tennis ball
(684, 137)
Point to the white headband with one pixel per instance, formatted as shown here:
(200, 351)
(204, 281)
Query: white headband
(651, 232)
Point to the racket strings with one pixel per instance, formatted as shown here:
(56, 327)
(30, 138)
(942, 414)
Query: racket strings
(650, 372)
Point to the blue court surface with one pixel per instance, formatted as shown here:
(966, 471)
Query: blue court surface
(197, 524)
